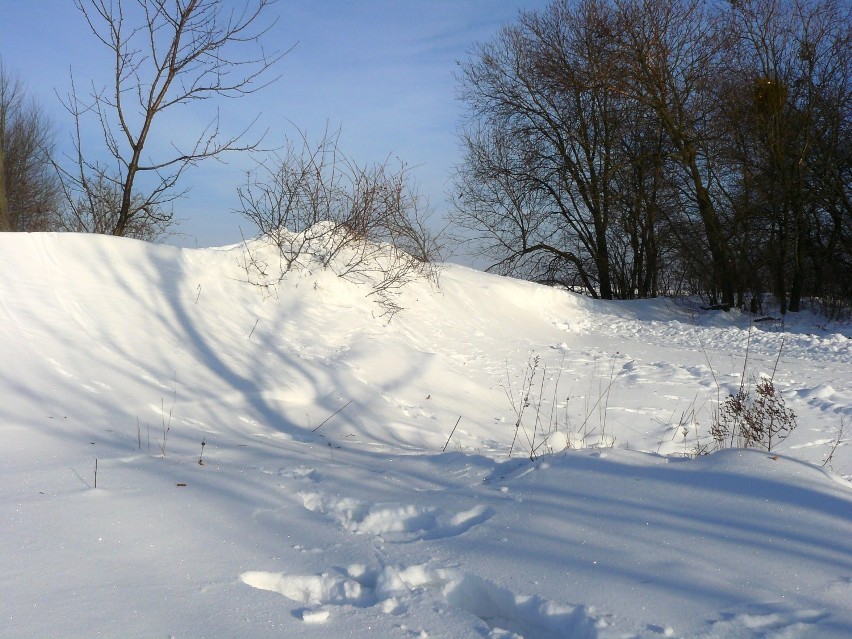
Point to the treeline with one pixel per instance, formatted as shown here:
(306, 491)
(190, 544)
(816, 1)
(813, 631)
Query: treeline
(636, 148)
(29, 187)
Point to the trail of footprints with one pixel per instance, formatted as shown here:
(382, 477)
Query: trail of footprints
(392, 590)
(395, 522)
(499, 612)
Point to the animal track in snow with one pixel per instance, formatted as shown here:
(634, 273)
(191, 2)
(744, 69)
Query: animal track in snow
(394, 590)
(408, 522)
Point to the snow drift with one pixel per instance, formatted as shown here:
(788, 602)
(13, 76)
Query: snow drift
(354, 477)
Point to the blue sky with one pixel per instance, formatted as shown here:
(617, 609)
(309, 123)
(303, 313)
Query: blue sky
(380, 70)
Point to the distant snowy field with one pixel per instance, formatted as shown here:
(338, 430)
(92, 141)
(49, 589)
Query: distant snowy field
(304, 522)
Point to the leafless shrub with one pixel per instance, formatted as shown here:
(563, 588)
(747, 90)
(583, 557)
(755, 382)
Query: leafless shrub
(536, 409)
(755, 416)
(837, 441)
(757, 419)
(687, 427)
(833, 307)
(524, 402)
(364, 222)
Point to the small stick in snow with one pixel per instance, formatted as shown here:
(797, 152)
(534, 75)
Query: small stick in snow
(444, 449)
(836, 443)
(332, 415)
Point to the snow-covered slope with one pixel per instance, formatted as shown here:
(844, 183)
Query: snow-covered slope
(403, 514)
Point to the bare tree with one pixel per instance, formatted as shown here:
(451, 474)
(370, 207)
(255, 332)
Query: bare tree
(673, 51)
(29, 189)
(5, 225)
(166, 54)
(549, 187)
(792, 62)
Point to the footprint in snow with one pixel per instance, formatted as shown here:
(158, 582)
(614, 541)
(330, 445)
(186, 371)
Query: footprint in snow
(396, 522)
(395, 590)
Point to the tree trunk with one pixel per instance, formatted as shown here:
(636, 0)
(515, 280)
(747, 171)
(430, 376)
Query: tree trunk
(797, 284)
(124, 213)
(651, 286)
(602, 259)
(722, 270)
(780, 258)
(5, 224)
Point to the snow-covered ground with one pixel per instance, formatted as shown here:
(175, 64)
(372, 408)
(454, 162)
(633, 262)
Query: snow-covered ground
(403, 514)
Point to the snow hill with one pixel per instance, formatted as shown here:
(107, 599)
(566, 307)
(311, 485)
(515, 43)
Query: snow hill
(356, 479)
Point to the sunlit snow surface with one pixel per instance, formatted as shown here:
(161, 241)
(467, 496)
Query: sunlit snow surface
(305, 523)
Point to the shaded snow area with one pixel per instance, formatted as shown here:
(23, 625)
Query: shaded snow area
(356, 477)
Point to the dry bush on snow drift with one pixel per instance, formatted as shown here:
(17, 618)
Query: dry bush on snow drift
(756, 415)
(755, 418)
(365, 222)
(538, 428)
